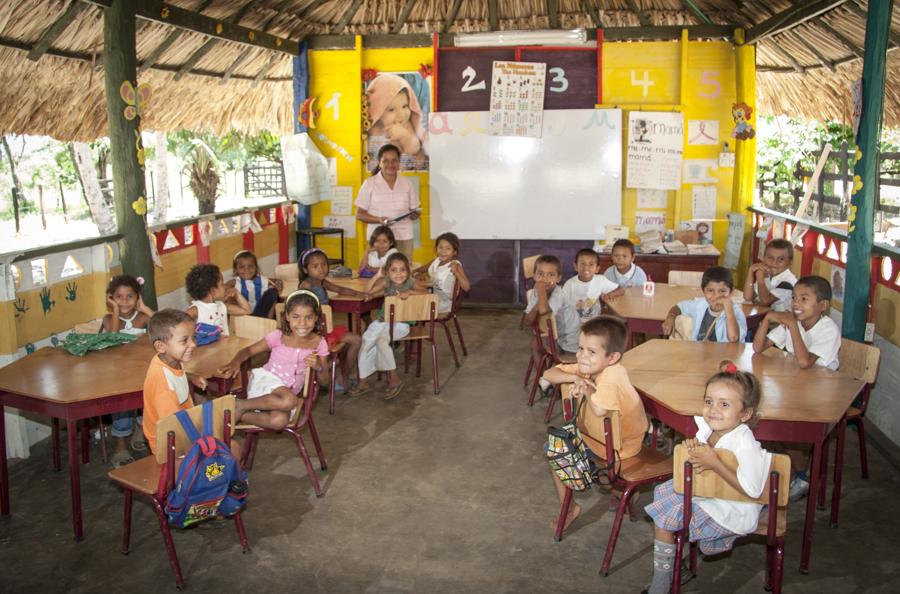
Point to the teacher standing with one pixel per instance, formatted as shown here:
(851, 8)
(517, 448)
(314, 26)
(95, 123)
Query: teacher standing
(387, 195)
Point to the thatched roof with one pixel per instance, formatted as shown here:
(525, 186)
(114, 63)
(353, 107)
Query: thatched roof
(803, 71)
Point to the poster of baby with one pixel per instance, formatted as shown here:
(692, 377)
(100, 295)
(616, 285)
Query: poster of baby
(397, 107)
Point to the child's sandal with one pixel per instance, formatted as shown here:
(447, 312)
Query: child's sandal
(356, 390)
(394, 391)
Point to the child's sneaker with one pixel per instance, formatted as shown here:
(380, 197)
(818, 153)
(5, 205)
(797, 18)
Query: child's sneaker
(799, 488)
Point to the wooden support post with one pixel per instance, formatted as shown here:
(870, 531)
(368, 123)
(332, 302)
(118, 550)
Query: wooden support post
(128, 176)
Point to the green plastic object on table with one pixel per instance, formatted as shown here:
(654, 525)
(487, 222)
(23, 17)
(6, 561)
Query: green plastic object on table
(79, 344)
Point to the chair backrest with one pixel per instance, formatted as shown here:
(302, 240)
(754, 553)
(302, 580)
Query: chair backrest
(414, 308)
(859, 360)
(710, 484)
(253, 327)
(528, 266)
(547, 334)
(688, 278)
(326, 314)
(287, 272)
(593, 426)
(182, 444)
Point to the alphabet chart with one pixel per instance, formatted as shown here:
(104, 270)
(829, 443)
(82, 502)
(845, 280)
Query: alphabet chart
(517, 99)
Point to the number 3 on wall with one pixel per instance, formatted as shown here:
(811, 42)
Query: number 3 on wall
(559, 76)
(710, 78)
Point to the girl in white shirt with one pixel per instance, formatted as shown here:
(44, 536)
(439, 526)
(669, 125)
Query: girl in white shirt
(445, 271)
(381, 245)
(730, 408)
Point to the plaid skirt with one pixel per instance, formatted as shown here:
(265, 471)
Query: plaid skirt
(667, 511)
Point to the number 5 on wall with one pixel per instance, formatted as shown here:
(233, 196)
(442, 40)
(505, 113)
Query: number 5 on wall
(710, 77)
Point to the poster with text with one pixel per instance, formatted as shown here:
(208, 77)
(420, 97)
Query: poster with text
(655, 147)
(396, 112)
(517, 99)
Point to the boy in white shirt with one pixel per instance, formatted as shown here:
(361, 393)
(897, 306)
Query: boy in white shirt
(581, 298)
(771, 281)
(624, 272)
(545, 296)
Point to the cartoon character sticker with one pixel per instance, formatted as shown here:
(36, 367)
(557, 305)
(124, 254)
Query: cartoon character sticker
(741, 112)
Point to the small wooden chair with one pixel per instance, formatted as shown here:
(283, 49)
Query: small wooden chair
(647, 467)
(154, 476)
(860, 361)
(413, 309)
(445, 319)
(300, 417)
(772, 522)
(688, 278)
(545, 332)
(289, 275)
(528, 265)
(255, 329)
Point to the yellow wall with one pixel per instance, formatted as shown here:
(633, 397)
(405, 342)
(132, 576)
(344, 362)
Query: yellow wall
(222, 250)
(887, 313)
(175, 266)
(89, 303)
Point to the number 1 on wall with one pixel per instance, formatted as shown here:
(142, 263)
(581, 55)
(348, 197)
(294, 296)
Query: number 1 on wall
(334, 105)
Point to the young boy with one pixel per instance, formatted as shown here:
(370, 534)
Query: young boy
(544, 297)
(715, 316)
(771, 281)
(581, 298)
(624, 272)
(167, 386)
(806, 330)
(600, 378)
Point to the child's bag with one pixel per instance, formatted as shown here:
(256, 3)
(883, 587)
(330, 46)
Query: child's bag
(206, 333)
(210, 480)
(567, 455)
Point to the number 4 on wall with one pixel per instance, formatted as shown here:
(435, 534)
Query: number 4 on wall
(644, 82)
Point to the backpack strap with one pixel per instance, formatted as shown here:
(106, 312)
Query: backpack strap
(188, 425)
(208, 430)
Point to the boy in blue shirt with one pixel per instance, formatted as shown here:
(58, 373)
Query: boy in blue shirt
(715, 316)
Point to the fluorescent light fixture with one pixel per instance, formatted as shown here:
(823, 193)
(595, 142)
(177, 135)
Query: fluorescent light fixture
(514, 38)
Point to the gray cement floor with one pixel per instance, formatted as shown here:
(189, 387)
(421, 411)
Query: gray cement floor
(424, 494)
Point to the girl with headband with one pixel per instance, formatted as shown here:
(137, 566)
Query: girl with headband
(296, 347)
(260, 292)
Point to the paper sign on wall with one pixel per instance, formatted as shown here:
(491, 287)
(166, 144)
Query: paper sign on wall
(613, 233)
(517, 98)
(649, 221)
(700, 171)
(702, 132)
(736, 223)
(703, 199)
(652, 198)
(332, 171)
(342, 200)
(347, 223)
(655, 145)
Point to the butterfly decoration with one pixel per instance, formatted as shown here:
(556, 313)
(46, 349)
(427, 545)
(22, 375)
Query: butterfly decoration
(135, 98)
(139, 147)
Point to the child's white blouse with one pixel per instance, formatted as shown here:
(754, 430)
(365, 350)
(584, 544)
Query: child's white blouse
(443, 281)
(215, 313)
(738, 517)
(376, 261)
(822, 340)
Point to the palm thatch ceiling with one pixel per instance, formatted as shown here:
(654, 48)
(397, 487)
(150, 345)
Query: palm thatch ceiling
(51, 52)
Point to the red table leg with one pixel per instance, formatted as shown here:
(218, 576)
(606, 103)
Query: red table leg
(814, 478)
(75, 479)
(85, 441)
(57, 465)
(4, 475)
(838, 472)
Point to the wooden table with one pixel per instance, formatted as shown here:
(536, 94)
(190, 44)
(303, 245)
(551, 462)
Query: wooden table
(50, 381)
(646, 314)
(354, 307)
(798, 405)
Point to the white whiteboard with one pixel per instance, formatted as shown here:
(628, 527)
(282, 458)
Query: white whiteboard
(565, 185)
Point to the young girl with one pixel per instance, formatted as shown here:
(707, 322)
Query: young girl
(296, 347)
(128, 314)
(313, 266)
(381, 245)
(260, 292)
(376, 354)
(205, 285)
(730, 408)
(445, 271)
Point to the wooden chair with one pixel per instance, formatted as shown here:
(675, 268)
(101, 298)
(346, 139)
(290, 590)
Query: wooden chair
(337, 357)
(412, 310)
(154, 476)
(289, 275)
(445, 319)
(255, 329)
(647, 467)
(528, 265)
(545, 332)
(861, 361)
(301, 417)
(689, 278)
(772, 522)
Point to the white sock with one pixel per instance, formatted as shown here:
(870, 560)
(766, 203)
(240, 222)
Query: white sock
(544, 384)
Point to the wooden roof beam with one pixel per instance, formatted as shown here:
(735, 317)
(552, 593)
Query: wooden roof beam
(234, 65)
(157, 53)
(348, 16)
(404, 14)
(812, 49)
(211, 43)
(855, 49)
(588, 7)
(451, 16)
(55, 30)
(798, 68)
(790, 17)
(893, 37)
(265, 69)
(493, 15)
(689, 5)
(553, 13)
(309, 8)
(641, 15)
(169, 14)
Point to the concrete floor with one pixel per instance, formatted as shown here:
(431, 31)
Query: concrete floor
(424, 494)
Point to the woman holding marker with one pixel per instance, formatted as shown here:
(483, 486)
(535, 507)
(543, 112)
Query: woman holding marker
(387, 195)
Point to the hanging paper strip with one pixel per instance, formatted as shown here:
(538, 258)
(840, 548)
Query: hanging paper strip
(205, 227)
(154, 251)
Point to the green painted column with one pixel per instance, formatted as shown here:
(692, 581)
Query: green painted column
(123, 118)
(862, 203)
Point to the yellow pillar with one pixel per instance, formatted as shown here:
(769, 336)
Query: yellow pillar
(745, 150)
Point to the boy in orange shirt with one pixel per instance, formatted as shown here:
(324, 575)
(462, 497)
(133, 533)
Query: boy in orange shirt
(167, 386)
(598, 376)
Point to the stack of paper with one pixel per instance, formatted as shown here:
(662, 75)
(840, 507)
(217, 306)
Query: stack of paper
(649, 242)
(675, 247)
(706, 249)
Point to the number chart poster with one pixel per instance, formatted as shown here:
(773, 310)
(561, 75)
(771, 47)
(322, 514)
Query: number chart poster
(655, 146)
(396, 112)
(517, 99)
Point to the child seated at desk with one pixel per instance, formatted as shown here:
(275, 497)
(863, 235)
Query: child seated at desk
(715, 316)
(771, 281)
(544, 298)
(167, 386)
(600, 378)
(445, 271)
(205, 285)
(624, 272)
(260, 292)
(381, 245)
(581, 297)
(730, 407)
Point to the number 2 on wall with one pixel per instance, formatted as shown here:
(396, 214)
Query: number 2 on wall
(710, 78)
(469, 75)
(559, 76)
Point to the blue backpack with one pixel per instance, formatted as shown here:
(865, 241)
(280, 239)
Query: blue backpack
(210, 480)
